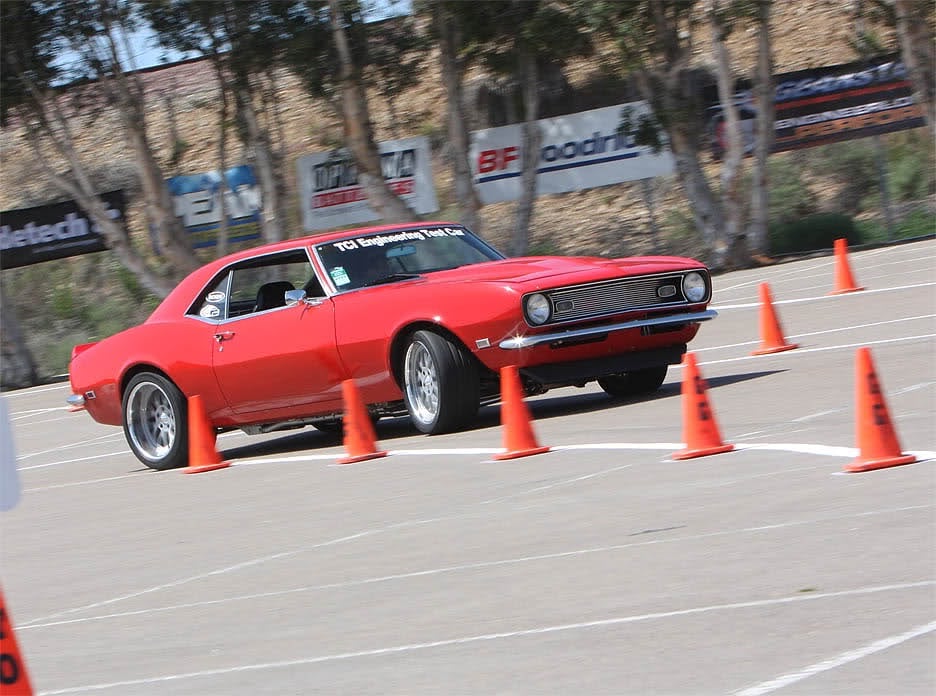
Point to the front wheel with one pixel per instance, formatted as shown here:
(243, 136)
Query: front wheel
(441, 386)
(155, 421)
(634, 383)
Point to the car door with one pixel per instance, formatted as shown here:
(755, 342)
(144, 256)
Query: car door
(277, 361)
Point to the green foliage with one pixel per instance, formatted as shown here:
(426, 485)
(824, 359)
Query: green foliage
(919, 223)
(818, 231)
(790, 196)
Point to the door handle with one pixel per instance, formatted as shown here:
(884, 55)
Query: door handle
(224, 336)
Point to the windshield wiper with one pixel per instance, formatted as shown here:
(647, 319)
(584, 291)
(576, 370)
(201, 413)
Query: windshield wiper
(392, 278)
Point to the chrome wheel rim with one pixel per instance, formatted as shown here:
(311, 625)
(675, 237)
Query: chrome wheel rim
(151, 421)
(422, 383)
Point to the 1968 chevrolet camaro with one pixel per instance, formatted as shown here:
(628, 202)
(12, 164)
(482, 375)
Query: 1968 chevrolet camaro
(421, 316)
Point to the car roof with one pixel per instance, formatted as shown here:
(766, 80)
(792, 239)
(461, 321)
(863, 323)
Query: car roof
(180, 298)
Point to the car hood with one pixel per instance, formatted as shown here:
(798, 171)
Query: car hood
(548, 270)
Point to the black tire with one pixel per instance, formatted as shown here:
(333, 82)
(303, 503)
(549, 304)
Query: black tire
(441, 386)
(633, 383)
(155, 421)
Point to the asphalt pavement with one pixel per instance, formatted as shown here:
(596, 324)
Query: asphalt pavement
(603, 566)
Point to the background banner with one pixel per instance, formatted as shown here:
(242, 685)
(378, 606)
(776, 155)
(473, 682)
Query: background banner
(579, 151)
(197, 200)
(55, 231)
(829, 104)
(330, 195)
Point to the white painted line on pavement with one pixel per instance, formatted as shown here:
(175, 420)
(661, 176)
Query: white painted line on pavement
(870, 291)
(520, 633)
(819, 333)
(45, 623)
(837, 661)
(803, 351)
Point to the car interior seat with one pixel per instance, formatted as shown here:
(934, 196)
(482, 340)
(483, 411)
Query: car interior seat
(271, 295)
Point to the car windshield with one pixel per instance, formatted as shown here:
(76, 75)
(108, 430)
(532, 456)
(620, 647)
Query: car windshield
(388, 257)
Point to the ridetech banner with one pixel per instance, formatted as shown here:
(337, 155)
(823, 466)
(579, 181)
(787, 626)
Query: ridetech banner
(578, 151)
(56, 231)
(830, 104)
(330, 195)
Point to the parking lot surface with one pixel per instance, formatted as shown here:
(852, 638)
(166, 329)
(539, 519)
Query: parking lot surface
(602, 567)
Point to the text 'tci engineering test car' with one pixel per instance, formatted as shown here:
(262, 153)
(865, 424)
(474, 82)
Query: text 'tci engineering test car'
(421, 316)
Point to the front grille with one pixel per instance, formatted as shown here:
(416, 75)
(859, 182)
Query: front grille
(615, 296)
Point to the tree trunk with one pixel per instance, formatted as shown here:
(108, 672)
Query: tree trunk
(919, 53)
(221, 248)
(358, 129)
(531, 140)
(16, 360)
(258, 141)
(735, 252)
(459, 137)
(764, 134)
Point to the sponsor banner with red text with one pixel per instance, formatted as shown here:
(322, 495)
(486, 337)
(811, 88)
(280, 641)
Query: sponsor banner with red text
(578, 151)
(830, 104)
(330, 195)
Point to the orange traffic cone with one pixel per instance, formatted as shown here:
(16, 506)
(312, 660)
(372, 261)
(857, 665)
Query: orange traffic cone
(14, 681)
(877, 441)
(844, 281)
(203, 454)
(700, 430)
(519, 440)
(360, 440)
(772, 340)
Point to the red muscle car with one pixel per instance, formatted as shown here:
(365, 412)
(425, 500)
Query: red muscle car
(421, 316)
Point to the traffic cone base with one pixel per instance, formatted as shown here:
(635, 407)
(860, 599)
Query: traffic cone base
(775, 349)
(860, 465)
(515, 454)
(701, 452)
(700, 430)
(203, 453)
(845, 291)
(878, 446)
(772, 340)
(519, 439)
(360, 440)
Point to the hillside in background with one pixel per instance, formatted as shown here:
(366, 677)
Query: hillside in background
(52, 298)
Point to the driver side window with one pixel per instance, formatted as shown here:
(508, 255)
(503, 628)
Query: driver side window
(258, 285)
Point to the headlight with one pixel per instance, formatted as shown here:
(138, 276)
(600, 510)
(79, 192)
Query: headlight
(537, 309)
(693, 287)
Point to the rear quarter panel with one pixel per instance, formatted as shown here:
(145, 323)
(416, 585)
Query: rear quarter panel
(180, 349)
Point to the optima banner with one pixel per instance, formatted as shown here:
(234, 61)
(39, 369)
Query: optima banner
(830, 104)
(56, 231)
(330, 195)
(578, 151)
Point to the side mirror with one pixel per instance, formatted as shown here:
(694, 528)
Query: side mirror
(294, 297)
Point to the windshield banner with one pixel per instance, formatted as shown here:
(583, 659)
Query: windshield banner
(330, 195)
(56, 231)
(578, 151)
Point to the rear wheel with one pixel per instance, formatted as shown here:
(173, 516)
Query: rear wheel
(155, 421)
(633, 383)
(441, 386)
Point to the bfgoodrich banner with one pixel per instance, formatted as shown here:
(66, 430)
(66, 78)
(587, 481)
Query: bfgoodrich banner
(330, 195)
(56, 231)
(579, 151)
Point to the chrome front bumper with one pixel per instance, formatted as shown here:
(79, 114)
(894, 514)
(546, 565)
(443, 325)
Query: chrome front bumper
(517, 342)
